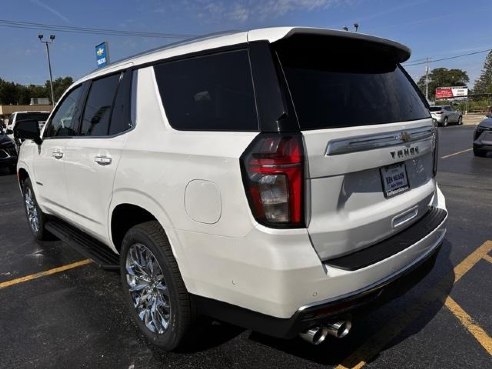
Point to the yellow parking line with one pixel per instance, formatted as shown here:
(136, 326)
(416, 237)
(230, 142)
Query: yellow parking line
(480, 335)
(44, 274)
(471, 260)
(379, 340)
(456, 153)
(488, 258)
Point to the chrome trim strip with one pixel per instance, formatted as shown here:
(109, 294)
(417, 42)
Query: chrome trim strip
(378, 140)
(385, 281)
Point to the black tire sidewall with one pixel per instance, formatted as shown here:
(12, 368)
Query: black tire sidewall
(445, 122)
(171, 338)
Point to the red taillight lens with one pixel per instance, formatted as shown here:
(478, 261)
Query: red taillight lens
(273, 174)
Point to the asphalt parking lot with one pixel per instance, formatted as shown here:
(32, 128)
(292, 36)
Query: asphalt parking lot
(58, 310)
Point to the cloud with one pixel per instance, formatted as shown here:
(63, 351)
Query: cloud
(242, 11)
(51, 10)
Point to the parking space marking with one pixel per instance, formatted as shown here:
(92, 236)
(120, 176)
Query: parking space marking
(30, 277)
(480, 335)
(378, 341)
(456, 153)
(488, 258)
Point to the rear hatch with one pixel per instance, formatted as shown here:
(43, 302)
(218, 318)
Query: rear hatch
(368, 136)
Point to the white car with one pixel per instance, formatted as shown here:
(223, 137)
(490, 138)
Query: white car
(256, 177)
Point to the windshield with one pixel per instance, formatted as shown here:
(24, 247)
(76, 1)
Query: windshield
(334, 84)
(40, 117)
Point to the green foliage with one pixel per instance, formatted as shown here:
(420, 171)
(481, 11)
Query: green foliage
(443, 77)
(484, 83)
(16, 94)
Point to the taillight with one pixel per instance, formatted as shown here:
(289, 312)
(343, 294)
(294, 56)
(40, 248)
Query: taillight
(436, 149)
(273, 176)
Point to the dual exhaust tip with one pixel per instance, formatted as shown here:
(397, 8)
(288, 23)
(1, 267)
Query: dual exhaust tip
(316, 335)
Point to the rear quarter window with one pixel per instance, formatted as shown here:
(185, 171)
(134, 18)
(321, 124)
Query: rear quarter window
(213, 92)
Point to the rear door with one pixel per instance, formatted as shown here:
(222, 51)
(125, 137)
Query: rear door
(369, 141)
(91, 158)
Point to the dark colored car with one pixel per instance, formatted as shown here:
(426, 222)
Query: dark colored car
(482, 138)
(8, 152)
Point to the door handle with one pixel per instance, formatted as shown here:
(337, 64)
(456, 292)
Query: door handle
(57, 154)
(103, 160)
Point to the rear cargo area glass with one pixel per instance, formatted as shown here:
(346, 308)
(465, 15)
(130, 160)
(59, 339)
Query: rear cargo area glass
(349, 83)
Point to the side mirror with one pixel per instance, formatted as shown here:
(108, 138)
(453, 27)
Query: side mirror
(28, 130)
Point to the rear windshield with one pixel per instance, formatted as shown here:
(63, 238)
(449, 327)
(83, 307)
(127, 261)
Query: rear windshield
(347, 83)
(435, 108)
(40, 117)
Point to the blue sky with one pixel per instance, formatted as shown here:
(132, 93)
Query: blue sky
(431, 28)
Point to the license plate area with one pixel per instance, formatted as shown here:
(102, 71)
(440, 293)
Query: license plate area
(395, 180)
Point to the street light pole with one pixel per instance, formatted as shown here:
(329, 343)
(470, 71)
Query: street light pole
(52, 37)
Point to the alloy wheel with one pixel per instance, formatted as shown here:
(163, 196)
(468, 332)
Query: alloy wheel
(147, 288)
(31, 210)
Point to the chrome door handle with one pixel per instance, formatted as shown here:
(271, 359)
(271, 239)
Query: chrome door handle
(103, 160)
(57, 154)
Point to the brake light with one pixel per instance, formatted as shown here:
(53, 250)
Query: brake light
(273, 176)
(435, 141)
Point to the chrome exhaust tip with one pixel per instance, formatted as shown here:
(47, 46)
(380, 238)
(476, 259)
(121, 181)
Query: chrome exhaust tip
(314, 335)
(339, 329)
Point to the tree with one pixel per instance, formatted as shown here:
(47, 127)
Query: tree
(443, 77)
(59, 86)
(484, 83)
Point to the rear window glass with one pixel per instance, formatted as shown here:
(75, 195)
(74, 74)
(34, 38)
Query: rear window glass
(342, 85)
(213, 92)
(435, 108)
(40, 117)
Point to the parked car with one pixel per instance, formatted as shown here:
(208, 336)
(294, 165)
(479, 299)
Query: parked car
(482, 138)
(40, 116)
(445, 115)
(251, 177)
(8, 152)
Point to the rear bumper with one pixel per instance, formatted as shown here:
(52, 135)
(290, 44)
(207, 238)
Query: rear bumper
(322, 312)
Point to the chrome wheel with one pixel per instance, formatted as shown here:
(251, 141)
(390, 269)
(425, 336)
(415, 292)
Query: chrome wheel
(31, 210)
(148, 288)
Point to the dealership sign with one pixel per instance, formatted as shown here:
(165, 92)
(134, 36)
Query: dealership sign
(451, 92)
(102, 54)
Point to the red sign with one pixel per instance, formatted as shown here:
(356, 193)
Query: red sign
(444, 93)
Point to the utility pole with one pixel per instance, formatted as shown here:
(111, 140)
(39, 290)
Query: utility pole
(427, 79)
(52, 37)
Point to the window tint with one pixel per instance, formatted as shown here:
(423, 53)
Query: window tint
(342, 85)
(64, 122)
(121, 118)
(97, 112)
(435, 108)
(212, 92)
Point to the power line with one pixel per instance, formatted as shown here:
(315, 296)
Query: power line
(448, 58)
(87, 30)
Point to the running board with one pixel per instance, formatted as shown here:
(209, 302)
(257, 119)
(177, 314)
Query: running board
(86, 245)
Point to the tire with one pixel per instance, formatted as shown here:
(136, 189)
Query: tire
(160, 289)
(460, 120)
(35, 217)
(445, 122)
(479, 153)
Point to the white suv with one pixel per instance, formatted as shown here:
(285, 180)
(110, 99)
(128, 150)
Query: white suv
(276, 179)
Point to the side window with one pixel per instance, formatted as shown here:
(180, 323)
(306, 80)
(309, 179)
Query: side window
(213, 92)
(97, 112)
(63, 123)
